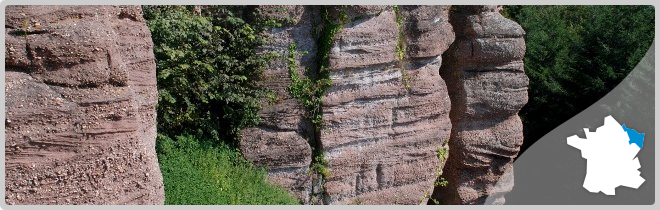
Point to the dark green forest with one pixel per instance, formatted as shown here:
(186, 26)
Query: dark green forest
(575, 56)
(208, 71)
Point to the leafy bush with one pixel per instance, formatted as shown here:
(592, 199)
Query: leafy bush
(195, 173)
(575, 56)
(207, 68)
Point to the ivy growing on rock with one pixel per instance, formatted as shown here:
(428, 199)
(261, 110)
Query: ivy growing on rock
(307, 91)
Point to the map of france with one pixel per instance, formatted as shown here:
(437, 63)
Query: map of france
(611, 157)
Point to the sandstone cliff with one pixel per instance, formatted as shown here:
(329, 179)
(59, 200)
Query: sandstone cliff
(389, 111)
(405, 81)
(80, 96)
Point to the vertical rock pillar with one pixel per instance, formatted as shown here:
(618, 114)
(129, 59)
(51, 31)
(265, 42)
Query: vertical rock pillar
(487, 85)
(80, 106)
(387, 111)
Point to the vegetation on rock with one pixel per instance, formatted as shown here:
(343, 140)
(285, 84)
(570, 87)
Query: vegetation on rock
(309, 90)
(401, 47)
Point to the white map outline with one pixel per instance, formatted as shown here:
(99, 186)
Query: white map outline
(611, 159)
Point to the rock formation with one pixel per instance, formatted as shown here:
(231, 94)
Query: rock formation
(80, 106)
(387, 112)
(487, 85)
(81, 91)
(385, 116)
(280, 142)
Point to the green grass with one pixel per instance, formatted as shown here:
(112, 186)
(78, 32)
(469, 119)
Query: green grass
(198, 173)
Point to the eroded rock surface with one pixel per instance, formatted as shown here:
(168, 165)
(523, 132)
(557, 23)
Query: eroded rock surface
(81, 90)
(80, 106)
(281, 141)
(388, 110)
(485, 77)
(385, 117)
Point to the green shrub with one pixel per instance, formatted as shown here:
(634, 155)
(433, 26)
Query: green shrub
(207, 70)
(196, 173)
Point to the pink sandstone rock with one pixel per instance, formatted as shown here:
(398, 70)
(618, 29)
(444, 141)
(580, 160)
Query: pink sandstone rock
(81, 92)
(281, 141)
(484, 72)
(384, 118)
(80, 106)
(379, 138)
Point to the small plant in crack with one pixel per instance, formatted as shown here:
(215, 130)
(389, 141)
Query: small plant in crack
(401, 48)
(320, 166)
(427, 195)
(442, 153)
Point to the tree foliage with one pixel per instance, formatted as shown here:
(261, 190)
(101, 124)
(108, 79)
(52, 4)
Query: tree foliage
(575, 56)
(207, 70)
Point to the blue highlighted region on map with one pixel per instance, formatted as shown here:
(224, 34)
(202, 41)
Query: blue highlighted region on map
(611, 157)
(637, 138)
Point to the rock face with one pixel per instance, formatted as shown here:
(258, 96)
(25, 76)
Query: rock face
(80, 106)
(81, 91)
(385, 117)
(388, 110)
(487, 85)
(281, 141)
